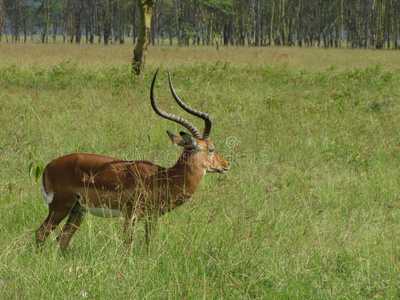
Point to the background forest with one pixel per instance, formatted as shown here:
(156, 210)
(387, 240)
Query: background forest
(312, 23)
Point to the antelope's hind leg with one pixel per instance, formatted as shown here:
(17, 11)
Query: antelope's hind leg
(59, 209)
(75, 219)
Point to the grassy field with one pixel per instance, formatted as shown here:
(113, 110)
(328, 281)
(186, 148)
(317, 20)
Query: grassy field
(309, 210)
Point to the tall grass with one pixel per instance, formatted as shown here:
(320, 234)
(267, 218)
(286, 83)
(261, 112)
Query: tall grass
(99, 56)
(310, 208)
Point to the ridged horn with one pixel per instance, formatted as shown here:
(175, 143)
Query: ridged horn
(199, 114)
(189, 126)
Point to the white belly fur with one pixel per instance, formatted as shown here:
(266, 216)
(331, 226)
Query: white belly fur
(104, 212)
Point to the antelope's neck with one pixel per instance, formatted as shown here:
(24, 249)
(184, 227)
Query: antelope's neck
(185, 176)
(174, 186)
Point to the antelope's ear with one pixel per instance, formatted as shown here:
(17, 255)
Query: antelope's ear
(188, 140)
(176, 139)
(183, 140)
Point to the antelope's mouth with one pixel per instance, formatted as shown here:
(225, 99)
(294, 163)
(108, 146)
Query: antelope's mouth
(221, 171)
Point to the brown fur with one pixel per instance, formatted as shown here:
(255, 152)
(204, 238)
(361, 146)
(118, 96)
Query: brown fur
(138, 189)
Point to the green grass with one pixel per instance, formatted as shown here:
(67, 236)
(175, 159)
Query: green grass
(309, 210)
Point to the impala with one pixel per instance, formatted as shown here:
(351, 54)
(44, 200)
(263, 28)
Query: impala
(137, 190)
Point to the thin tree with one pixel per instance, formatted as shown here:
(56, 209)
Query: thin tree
(2, 19)
(145, 8)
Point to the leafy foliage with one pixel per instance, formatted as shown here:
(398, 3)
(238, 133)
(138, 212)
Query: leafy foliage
(310, 23)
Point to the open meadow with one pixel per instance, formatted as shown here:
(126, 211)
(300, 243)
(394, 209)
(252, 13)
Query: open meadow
(309, 210)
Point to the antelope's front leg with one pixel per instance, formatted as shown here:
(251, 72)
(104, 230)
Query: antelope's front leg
(149, 229)
(129, 227)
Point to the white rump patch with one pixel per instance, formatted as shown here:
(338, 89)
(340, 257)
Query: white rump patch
(48, 197)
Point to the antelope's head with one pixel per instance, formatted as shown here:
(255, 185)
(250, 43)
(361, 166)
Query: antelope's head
(199, 151)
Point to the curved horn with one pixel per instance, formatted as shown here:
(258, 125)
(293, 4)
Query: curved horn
(189, 126)
(205, 117)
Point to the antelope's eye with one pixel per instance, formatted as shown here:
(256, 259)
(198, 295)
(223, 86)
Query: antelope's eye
(210, 151)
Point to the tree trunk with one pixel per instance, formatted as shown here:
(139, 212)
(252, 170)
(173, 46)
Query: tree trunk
(2, 21)
(272, 24)
(45, 36)
(139, 54)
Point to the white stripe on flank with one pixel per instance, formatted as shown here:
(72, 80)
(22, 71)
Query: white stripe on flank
(48, 197)
(104, 212)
